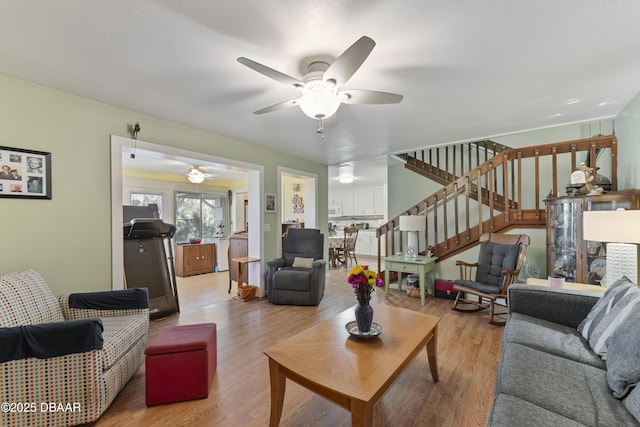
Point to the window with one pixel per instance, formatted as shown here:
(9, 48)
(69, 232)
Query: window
(144, 199)
(200, 216)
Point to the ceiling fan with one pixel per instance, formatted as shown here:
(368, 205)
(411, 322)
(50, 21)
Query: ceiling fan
(196, 176)
(321, 86)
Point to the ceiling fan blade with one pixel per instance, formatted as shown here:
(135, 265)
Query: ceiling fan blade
(271, 73)
(278, 106)
(359, 96)
(348, 63)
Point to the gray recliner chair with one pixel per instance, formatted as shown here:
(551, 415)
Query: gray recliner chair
(298, 277)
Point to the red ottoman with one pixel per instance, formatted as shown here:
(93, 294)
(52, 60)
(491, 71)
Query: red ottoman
(180, 363)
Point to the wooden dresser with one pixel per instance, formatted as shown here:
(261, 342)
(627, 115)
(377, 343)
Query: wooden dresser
(195, 259)
(238, 248)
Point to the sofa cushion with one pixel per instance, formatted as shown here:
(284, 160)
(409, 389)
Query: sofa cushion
(623, 357)
(632, 403)
(551, 338)
(617, 303)
(509, 411)
(294, 279)
(25, 299)
(120, 335)
(574, 390)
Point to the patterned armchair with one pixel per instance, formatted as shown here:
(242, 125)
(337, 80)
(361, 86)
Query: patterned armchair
(75, 351)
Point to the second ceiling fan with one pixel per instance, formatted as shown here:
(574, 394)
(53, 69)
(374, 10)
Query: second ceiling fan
(321, 86)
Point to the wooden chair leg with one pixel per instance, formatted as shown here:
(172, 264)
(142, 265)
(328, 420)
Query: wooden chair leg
(492, 310)
(455, 303)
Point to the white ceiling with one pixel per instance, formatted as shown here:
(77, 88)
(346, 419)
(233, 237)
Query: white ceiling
(156, 161)
(468, 69)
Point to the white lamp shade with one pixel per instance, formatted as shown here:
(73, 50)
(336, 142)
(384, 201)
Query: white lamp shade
(621, 226)
(621, 230)
(413, 223)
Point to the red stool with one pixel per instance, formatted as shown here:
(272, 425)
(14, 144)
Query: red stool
(180, 363)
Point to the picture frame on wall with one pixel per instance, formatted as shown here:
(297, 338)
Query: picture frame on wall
(25, 174)
(270, 203)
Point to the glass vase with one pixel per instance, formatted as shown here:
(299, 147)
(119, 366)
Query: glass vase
(364, 312)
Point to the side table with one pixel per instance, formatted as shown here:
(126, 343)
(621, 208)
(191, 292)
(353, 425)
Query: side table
(241, 263)
(420, 265)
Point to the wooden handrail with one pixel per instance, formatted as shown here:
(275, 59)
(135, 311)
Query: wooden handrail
(498, 176)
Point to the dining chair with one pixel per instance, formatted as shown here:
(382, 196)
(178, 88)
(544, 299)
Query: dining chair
(347, 252)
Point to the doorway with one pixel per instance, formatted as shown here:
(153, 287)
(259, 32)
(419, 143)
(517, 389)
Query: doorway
(298, 199)
(120, 145)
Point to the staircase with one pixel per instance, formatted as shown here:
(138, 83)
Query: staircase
(427, 162)
(458, 213)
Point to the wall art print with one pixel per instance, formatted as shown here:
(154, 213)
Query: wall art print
(25, 173)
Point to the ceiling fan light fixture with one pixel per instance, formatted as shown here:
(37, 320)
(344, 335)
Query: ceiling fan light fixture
(195, 176)
(319, 100)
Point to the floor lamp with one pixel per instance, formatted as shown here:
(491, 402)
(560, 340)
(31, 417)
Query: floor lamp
(412, 224)
(622, 229)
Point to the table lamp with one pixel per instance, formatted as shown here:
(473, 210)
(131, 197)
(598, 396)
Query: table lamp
(412, 224)
(622, 229)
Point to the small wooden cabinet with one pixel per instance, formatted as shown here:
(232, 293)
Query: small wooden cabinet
(568, 254)
(195, 259)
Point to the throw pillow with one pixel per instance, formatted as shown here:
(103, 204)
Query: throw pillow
(623, 357)
(302, 262)
(608, 313)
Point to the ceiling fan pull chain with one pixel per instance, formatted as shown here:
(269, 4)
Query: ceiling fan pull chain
(320, 129)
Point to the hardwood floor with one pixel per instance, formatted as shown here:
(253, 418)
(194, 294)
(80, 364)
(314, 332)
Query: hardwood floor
(468, 353)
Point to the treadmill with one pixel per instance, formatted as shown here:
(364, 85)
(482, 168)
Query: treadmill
(148, 260)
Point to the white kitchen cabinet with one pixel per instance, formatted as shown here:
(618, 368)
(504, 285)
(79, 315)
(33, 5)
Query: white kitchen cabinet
(359, 201)
(347, 202)
(367, 243)
(363, 244)
(363, 202)
(335, 198)
(379, 201)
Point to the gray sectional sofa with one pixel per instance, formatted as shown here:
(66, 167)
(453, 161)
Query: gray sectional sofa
(549, 375)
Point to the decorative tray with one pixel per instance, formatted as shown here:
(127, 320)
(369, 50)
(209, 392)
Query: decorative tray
(352, 328)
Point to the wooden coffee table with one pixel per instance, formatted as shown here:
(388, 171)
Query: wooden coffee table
(353, 373)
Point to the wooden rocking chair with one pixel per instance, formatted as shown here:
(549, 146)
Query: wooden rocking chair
(499, 262)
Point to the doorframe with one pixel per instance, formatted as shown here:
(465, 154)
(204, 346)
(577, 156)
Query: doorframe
(310, 197)
(255, 189)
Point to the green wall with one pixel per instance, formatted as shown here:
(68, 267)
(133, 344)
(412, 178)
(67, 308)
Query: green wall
(400, 179)
(628, 132)
(68, 239)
